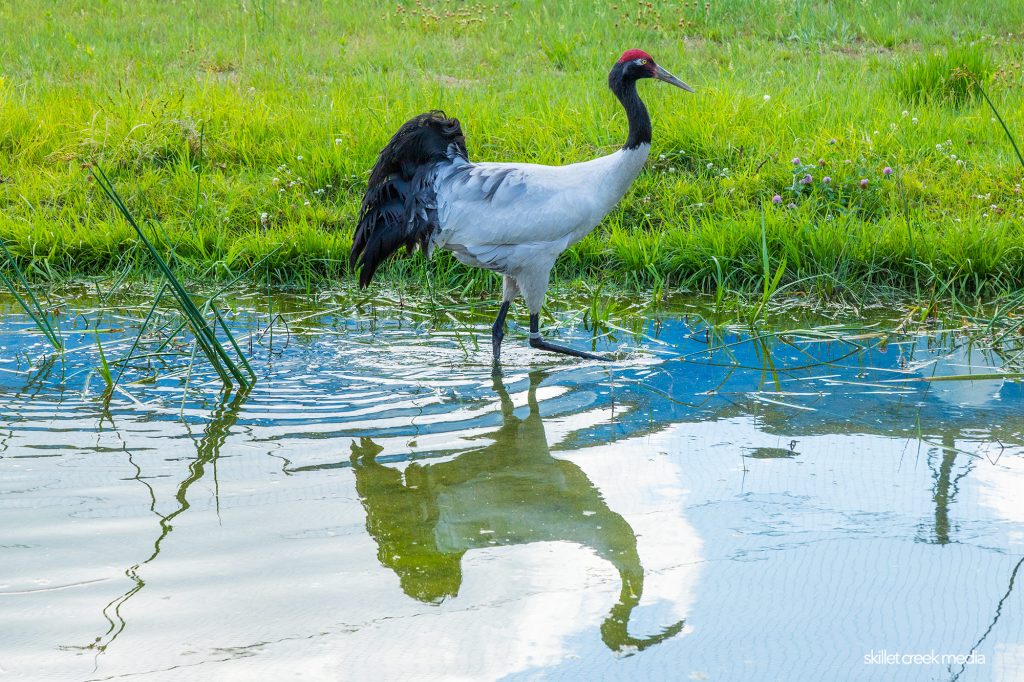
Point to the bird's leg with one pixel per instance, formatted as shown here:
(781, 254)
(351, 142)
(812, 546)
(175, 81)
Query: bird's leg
(498, 330)
(540, 344)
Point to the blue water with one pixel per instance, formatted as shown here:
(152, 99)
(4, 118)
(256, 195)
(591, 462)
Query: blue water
(383, 505)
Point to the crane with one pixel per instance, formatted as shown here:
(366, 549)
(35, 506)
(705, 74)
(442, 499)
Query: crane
(512, 218)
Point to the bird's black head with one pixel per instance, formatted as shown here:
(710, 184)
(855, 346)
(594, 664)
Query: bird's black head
(636, 64)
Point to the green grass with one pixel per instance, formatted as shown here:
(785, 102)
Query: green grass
(949, 76)
(247, 129)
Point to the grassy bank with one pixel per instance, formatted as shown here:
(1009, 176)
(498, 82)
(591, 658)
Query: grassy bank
(245, 127)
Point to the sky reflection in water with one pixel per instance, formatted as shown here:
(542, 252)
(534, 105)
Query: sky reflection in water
(383, 506)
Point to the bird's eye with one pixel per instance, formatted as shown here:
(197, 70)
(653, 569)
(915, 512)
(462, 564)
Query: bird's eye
(643, 62)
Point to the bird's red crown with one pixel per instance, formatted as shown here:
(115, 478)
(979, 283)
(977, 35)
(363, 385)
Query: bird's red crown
(630, 55)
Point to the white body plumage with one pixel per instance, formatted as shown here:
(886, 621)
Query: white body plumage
(516, 218)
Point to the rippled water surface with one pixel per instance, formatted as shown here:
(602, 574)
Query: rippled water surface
(382, 506)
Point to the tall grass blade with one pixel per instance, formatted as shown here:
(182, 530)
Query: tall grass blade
(205, 335)
(1001, 315)
(770, 282)
(142, 330)
(105, 373)
(35, 311)
(234, 344)
(999, 118)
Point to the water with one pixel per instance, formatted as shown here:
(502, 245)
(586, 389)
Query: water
(382, 506)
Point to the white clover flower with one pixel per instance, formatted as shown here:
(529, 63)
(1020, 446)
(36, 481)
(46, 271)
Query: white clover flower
(767, 98)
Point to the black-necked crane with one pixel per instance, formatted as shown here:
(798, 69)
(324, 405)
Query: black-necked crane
(512, 218)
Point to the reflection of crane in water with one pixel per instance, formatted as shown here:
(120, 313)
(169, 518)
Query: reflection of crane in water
(510, 492)
(207, 450)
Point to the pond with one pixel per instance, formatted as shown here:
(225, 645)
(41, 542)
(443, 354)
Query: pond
(815, 500)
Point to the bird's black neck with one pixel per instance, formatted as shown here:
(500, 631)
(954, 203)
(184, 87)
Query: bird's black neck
(636, 113)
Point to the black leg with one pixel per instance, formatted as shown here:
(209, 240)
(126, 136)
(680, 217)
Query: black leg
(498, 330)
(541, 344)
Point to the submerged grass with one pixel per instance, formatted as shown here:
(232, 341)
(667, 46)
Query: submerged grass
(247, 130)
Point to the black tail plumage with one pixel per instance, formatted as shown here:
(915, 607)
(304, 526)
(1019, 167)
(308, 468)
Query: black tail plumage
(400, 206)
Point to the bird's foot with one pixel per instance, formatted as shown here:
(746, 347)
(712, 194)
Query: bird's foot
(541, 344)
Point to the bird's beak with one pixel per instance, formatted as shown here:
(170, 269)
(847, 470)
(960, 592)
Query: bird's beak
(663, 75)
